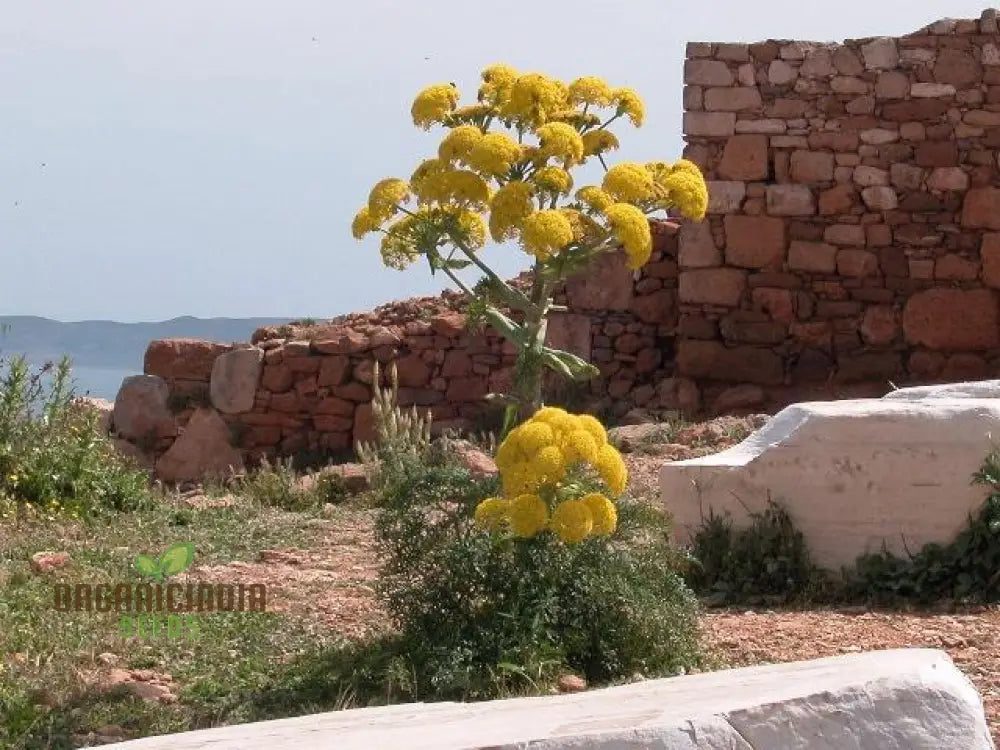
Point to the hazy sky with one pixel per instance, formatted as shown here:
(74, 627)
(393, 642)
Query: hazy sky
(205, 158)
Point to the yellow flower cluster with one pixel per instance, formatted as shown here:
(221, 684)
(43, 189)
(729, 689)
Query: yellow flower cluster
(433, 103)
(510, 206)
(533, 462)
(631, 227)
(545, 233)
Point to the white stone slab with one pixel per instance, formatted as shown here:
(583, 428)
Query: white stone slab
(852, 474)
(905, 699)
(970, 389)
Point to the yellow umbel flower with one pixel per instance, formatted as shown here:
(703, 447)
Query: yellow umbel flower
(545, 233)
(534, 98)
(498, 80)
(472, 227)
(547, 413)
(629, 182)
(585, 229)
(433, 103)
(465, 188)
(590, 90)
(528, 515)
(491, 513)
(531, 437)
(458, 144)
(553, 180)
(630, 104)
(398, 247)
(572, 521)
(593, 425)
(509, 207)
(611, 467)
(595, 198)
(548, 465)
(631, 227)
(599, 142)
(493, 154)
(604, 513)
(469, 114)
(580, 445)
(364, 223)
(579, 120)
(385, 197)
(428, 182)
(686, 165)
(560, 140)
(688, 192)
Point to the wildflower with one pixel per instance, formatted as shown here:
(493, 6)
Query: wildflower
(572, 521)
(528, 515)
(491, 513)
(631, 227)
(472, 228)
(532, 436)
(629, 182)
(560, 140)
(553, 180)
(509, 207)
(603, 512)
(498, 80)
(469, 114)
(493, 154)
(433, 103)
(581, 446)
(458, 144)
(518, 480)
(548, 465)
(363, 223)
(546, 413)
(398, 246)
(584, 228)
(687, 190)
(545, 233)
(594, 197)
(385, 197)
(611, 467)
(593, 425)
(533, 98)
(465, 188)
(590, 90)
(629, 103)
(579, 120)
(598, 142)
(427, 181)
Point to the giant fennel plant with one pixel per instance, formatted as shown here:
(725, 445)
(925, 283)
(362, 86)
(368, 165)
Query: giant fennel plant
(503, 172)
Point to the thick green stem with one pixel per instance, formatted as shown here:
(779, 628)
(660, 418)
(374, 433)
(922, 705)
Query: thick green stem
(529, 366)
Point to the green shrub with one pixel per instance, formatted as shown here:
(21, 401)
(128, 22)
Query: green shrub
(484, 615)
(52, 453)
(767, 561)
(276, 485)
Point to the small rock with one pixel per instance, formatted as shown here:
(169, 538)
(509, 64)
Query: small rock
(108, 659)
(638, 416)
(281, 557)
(477, 462)
(149, 691)
(110, 730)
(628, 437)
(571, 683)
(46, 562)
(329, 510)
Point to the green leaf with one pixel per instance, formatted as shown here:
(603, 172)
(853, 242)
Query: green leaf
(147, 565)
(456, 263)
(176, 558)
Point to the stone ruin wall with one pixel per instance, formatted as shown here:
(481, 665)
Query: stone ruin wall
(855, 204)
(852, 242)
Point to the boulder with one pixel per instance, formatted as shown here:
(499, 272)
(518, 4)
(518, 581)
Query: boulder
(182, 359)
(904, 698)
(141, 410)
(853, 475)
(234, 380)
(203, 451)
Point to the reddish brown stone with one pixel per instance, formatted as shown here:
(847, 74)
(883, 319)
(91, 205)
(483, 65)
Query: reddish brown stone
(818, 335)
(936, 154)
(628, 343)
(328, 423)
(331, 405)
(659, 308)
(981, 208)
(302, 364)
(187, 359)
(954, 267)
(844, 141)
(364, 424)
(713, 360)
(857, 263)
(605, 285)
(466, 389)
(343, 341)
(990, 254)
(868, 366)
(449, 324)
(880, 326)
(957, 68)
(778, 303)
(285, 402)
(356, 392)
(738, 399)
(412, 372)
(744, 158)
(712, 286)
(951, 319)
(925, 110)
(333, 370)
(456, 362)
(925, 365)
(647, 360)
(837, 200)
(811, 166)
(754, 241)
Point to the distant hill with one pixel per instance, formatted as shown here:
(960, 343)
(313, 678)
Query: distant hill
(111, 345)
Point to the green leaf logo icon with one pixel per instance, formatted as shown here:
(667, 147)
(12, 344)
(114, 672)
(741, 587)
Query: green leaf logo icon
(175, 559)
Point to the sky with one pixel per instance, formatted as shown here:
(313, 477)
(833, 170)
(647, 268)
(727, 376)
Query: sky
(206, 157)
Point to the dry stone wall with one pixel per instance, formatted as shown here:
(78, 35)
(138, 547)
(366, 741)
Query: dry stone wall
(855, 209)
